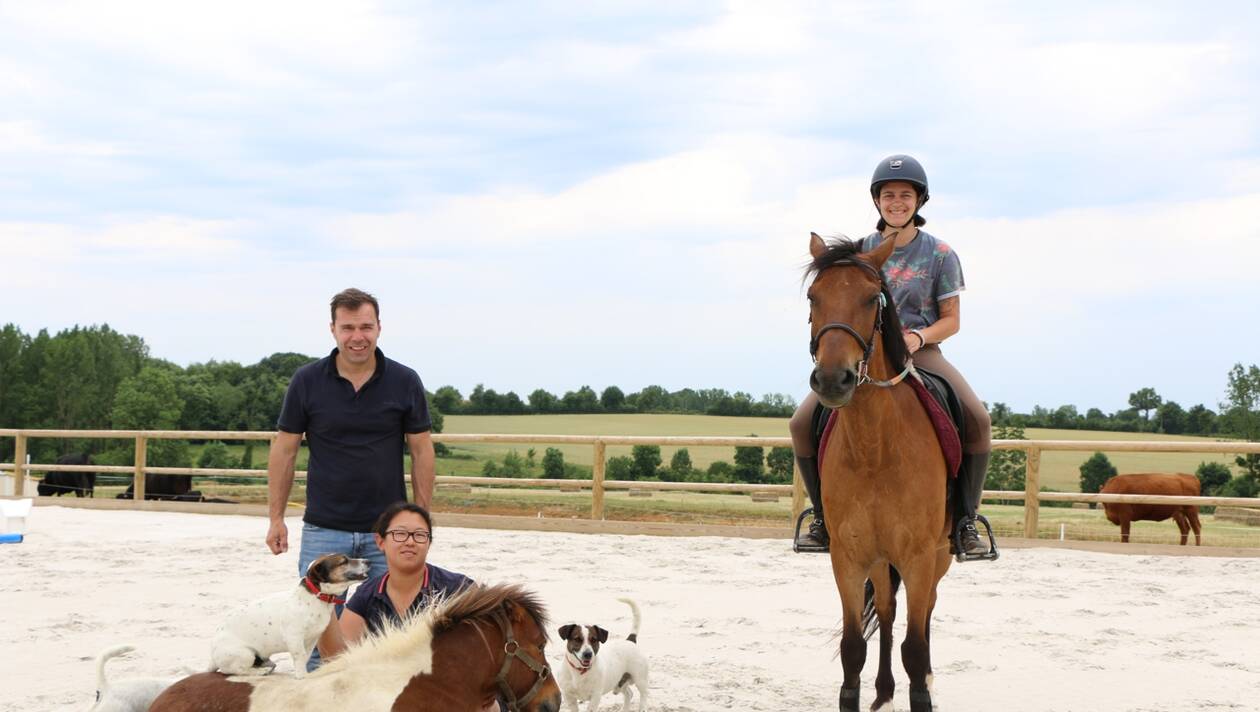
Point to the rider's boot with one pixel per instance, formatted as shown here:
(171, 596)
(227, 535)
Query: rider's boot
(970, 488)
(815, 538)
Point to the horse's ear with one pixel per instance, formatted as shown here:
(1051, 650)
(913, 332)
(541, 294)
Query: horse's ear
(816, 245)
(879, 255)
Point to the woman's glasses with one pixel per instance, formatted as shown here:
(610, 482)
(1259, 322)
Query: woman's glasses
(400, 535)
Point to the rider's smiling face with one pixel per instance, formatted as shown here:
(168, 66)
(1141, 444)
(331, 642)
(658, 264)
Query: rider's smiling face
(897, 201)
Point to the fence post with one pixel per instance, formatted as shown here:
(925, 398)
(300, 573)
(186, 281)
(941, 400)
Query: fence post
(1032, 489)
(19, 465)
(798, 492)
(597, 482)
(137, 487)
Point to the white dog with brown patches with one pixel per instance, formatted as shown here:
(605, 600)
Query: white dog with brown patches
(288, 622)
(593, 667)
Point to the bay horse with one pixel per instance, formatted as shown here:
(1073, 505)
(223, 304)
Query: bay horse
(455, 656)
(883, 474)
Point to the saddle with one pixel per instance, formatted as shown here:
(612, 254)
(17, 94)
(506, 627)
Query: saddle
(939, 401)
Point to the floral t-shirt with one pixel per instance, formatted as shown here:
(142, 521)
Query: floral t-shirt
(919, 275)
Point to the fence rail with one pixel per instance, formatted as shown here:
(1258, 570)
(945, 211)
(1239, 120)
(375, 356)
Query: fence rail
(1031, 496)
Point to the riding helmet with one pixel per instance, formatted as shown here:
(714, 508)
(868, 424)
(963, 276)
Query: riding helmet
(904, 168)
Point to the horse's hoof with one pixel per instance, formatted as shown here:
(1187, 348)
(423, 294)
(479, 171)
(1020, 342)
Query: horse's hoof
(849, 699)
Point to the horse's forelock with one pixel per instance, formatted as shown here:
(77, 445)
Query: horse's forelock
(843, 251)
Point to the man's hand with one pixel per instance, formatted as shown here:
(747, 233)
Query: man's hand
(278, 537)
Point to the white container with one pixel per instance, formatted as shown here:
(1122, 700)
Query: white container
(13, 513)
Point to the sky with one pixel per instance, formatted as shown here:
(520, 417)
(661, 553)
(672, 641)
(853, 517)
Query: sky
(552, 195)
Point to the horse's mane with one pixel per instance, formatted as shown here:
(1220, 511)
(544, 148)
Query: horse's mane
(478, 602)
(842, 251)
(397, 640)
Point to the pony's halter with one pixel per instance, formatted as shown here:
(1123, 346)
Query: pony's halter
(512, 649)
(868, 346)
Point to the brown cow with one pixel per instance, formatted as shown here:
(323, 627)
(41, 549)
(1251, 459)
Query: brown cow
(1124, 513)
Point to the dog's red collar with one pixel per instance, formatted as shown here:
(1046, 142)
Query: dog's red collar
(581, 670)
(325, 597)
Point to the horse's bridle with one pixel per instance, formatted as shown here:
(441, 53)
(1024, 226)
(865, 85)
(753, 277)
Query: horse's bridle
(512, 649)
(868, 346)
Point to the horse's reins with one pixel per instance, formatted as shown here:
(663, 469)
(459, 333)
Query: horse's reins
(512, 649)
(868, 347)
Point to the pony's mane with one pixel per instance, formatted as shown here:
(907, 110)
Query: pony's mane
(843, 251)
(479, 602)
(398, 640)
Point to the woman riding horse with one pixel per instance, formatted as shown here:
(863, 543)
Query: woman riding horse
(925, 278)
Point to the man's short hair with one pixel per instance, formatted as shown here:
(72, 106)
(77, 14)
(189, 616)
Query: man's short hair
(352, 299)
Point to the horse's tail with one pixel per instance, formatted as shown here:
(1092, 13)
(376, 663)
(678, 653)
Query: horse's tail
(637, 619)
(870, 621)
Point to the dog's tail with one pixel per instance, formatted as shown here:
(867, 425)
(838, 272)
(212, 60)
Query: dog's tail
(101, 683)
(638, 619)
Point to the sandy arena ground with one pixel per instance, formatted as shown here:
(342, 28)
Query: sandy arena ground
(727, 623)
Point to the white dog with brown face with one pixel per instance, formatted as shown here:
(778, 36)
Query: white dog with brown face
(593, 667)
(288, 622)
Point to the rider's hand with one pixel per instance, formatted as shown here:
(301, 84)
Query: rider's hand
(278, 537)
(913, 342)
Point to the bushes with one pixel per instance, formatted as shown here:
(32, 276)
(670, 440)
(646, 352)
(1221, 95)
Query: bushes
(1095, 472)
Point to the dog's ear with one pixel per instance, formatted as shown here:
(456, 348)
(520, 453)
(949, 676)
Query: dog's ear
(600, 634)
(566, 630)
(321, 569)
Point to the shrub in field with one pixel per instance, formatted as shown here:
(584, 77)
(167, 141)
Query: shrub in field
(1095, 472)
(779, 465)
(646, 459)
(750, 463)
(553, 464)
(721, 472)
(680, 464)
(621, 468)
(215, 455)
(1212, 477)
(1007, 468)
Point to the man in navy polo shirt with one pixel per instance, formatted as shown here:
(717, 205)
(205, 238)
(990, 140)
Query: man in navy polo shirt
(357, 409)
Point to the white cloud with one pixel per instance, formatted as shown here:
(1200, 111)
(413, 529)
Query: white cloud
(28, 138)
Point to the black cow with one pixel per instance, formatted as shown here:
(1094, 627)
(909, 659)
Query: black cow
(81, 484)
(165, 487)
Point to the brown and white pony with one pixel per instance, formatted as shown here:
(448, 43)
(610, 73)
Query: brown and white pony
(457, 655)
(883, 475)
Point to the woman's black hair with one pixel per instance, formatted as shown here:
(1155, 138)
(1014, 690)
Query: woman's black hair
(393, 510)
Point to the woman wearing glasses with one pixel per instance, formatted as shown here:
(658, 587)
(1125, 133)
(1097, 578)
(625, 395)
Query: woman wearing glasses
(403, 533)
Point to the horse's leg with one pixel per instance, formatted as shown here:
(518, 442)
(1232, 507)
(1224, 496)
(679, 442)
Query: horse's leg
(1180, 518)
(1192, 513)
(852, 643)
(920, 580)
(1124, 531)
(883, 576)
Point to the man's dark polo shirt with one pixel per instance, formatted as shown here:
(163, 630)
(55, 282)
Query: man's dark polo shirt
(372, 603)
(356, 440)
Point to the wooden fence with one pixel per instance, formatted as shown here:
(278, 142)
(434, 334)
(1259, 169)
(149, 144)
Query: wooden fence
(1031, 496)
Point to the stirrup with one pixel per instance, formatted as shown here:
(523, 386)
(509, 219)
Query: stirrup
(962, 556)
(800, 548)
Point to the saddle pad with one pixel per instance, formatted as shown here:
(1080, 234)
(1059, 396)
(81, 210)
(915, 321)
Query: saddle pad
(946, 433)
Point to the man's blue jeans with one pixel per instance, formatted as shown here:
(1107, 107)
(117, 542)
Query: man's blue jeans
(317, 541)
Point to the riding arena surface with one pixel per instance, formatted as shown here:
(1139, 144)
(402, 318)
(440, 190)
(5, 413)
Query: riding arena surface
(727, 623)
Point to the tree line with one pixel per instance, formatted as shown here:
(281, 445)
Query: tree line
(652, 399)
